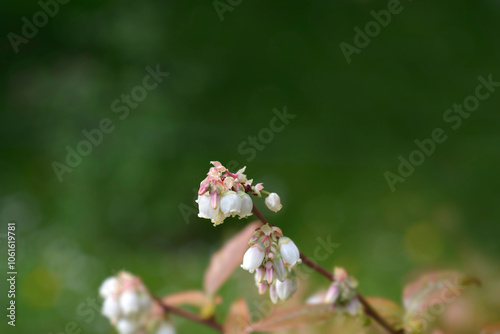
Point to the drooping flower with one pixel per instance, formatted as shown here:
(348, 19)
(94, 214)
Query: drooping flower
(289, 251)
(129, 306)
(342, 294)
(230, 203)
(286, 288)
(253, 257)
(273, 202)
(270, 263)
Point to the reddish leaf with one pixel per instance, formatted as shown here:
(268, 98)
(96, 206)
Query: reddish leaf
(238, 318)
(293, 317)
(225, 260)
(491, 329)
(389, 310)
(432, 289)
(193, 297)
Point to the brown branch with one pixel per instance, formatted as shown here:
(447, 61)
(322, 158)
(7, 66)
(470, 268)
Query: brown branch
(369, 310)
(210, 322)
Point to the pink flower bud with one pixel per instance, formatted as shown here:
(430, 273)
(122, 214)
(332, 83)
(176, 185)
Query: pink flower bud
(332, 294)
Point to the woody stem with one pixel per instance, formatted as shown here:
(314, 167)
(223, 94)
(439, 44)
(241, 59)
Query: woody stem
(210, 322)
(369, 310)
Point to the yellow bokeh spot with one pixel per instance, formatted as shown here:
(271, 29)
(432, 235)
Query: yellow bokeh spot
(423, 243)
(40, 288)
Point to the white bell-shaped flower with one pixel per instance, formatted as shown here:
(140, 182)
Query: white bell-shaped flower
(289, 252)
(286, 288)
(165, 328)
(273, 202)
(130, 303)
(253, 257)
(230, 203)
(246, 205)
(126, 326)
(205, 207)
(108, 287)
(111, 308)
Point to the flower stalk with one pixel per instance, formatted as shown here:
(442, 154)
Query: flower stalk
(369, 310)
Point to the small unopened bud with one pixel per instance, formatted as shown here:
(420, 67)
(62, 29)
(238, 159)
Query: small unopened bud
(259, 275)
(262, 288)
(332, 294)
(273, 202)
(253, 257)
(269, 272)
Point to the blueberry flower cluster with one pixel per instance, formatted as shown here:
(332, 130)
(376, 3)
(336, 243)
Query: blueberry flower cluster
(272, 256)
(342, 293)
(224, 194)
(130, 308)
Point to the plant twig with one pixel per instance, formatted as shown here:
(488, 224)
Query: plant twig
(369, 310)
(210, 322)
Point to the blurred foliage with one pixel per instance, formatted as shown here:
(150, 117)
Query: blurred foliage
(119, 209)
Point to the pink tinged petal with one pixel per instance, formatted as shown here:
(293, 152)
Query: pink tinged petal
(269, 272)
(214, 197)
(340, 274)
(203, 187)
(218, 166)
(262, 288)
(332, 294)
(259, 274)
(259, 186)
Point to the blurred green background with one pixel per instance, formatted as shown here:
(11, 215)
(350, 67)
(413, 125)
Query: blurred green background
(121, 207)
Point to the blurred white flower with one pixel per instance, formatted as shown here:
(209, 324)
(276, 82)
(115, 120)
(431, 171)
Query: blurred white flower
(126, 326)
(273, 202)
(108, 287)
(286, 288)
(165, 328)
(111, 308)
(129, 303)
